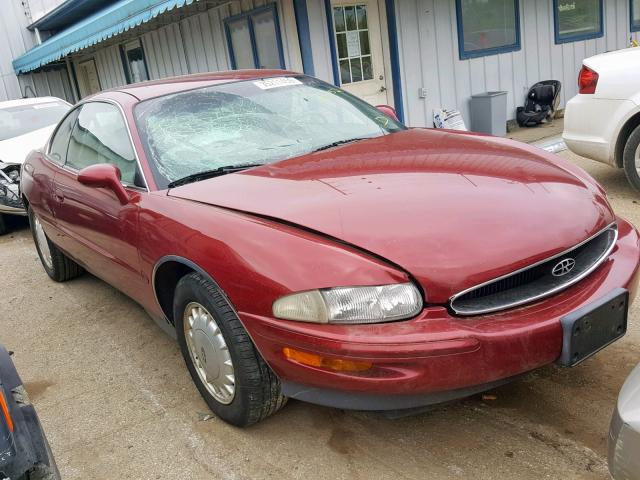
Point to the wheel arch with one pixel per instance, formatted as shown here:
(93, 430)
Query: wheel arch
(628, 127)
(167, 273)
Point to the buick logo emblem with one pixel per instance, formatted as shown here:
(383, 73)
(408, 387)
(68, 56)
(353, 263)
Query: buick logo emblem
(563, 267)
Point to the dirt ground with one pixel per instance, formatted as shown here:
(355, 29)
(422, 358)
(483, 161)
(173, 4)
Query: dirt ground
(117, 402)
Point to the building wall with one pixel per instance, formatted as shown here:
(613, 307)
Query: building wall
(52, 82)
(196, 44)
(15, 39)
(428, 44)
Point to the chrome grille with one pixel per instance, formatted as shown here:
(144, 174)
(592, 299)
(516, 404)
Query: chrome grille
(539, 280)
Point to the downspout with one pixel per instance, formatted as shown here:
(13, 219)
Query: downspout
(73, 81)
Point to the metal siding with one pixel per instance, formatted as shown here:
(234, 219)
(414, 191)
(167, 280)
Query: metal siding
(428, 42)
(15, 39)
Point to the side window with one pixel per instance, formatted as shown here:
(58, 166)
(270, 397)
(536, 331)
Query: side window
(100, 136)
(60, 141)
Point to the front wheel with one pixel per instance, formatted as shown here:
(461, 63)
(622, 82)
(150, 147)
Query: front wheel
(631, 158)
(229, 372)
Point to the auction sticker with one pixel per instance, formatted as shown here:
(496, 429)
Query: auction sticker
(276, 82)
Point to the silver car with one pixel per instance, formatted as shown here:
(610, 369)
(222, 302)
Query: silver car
(624, 434)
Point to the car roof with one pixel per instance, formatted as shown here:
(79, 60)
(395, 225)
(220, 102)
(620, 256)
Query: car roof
(29, 101)
(164, 86)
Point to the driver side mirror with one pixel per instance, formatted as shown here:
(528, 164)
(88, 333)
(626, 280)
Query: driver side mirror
(389, 111)
(104, 175)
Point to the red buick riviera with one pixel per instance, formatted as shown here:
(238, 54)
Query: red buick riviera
(301, 243)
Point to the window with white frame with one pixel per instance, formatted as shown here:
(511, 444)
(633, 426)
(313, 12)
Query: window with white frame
(487, 27)
(634, 6)
(134, 62)
(577, 20)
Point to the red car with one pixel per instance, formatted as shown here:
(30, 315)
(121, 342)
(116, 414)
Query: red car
(301, 243)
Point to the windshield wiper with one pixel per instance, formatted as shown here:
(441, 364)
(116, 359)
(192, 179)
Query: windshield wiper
(216, 172)
(338, 143)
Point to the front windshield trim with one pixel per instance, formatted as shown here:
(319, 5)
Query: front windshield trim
(284, 130)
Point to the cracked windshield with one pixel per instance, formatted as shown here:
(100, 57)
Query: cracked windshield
(251, 122)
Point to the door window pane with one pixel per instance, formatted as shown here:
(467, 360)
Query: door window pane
(488, 27)
(100, 136)
(354, 50)
(338, 19)
(241, 43)
(60, 141)
(367, 70)
(264, 28)
(577, 19)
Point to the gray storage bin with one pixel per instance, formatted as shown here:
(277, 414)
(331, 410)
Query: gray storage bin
(489, 113)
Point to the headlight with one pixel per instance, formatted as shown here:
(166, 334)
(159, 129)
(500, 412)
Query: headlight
(351, 305)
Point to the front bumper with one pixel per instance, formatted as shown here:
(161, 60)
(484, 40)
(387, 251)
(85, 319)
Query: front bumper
(436, 356)
(10, 200)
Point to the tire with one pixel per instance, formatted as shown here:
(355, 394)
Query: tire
(57, 265)
(3, 225)
(40, 472)
(629, 158)
(256, 389)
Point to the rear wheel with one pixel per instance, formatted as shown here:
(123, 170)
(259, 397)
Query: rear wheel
(229, 372)
(57, 265)
(631, 158)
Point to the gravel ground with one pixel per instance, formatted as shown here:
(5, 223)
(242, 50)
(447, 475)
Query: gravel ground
(117, 402)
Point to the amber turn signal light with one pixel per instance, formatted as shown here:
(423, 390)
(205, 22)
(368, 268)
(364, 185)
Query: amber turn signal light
(5, 410)
(313, 360)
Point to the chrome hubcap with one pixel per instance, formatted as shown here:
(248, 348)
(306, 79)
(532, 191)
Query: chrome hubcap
(43, 244)
(209, 352)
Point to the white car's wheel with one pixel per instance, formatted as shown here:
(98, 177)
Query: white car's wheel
(631, 158)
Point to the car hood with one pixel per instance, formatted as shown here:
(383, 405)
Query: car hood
(453, 210)
(16, 149)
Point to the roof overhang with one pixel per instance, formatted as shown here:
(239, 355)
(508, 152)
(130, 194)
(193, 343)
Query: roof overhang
(108, 22)
(68, 13)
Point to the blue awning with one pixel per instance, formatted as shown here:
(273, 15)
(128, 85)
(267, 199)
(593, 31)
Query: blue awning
(106, 23)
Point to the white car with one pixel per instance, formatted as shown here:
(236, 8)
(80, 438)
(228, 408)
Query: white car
(25, 125)
(602, 122)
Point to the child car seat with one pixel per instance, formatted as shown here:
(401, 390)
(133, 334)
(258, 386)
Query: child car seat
(541, 103)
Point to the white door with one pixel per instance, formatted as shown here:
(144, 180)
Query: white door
(88, 80)
(358, 40)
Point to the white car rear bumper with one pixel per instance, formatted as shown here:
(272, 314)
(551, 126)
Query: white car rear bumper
(591, 126)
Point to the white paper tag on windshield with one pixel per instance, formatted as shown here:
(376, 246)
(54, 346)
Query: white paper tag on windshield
(276, 82)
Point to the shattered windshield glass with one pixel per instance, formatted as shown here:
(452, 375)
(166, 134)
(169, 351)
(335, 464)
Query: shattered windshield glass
(250, 122)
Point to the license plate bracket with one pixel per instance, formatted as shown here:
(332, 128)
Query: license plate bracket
(593, 327)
